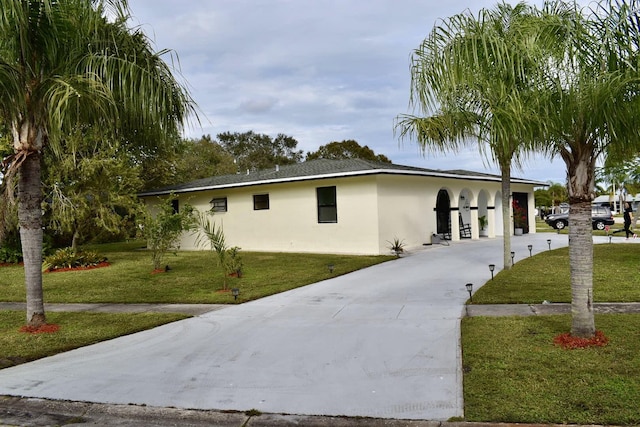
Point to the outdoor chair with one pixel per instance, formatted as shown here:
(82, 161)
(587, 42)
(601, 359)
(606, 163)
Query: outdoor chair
(465, 229)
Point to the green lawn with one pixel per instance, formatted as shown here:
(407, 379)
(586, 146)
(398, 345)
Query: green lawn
(546, 277)
(76, 330)
(514, 373)
(194, 277)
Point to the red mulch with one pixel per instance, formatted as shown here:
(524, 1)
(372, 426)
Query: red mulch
(90, 267)
(10, 264)
(569, 342)
(47, 328)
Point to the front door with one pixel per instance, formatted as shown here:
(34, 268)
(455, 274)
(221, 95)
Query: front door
(443, 214)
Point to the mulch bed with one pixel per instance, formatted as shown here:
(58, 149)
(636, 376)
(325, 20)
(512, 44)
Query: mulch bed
(569, 342)
(89, 267)
(47, 328)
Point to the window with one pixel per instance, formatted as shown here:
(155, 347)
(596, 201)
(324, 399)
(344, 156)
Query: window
(260, 202)
(176, 206)
(327, 207)
(219, 204)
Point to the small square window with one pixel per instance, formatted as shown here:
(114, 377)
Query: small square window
(260, 202)
(219, 204)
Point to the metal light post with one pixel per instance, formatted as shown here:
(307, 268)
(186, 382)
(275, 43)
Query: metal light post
(491, 268)
(469, 287)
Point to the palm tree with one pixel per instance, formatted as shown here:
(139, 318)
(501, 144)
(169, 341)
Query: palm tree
(468, 84)
(589, 106)
(65, 63)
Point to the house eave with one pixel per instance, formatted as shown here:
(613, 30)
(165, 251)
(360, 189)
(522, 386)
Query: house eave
(338, 175)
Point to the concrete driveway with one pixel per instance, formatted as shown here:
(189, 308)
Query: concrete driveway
(380, 342)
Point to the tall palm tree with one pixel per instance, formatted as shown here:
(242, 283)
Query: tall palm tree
(70, 62)
(468, 84)
(589, 106)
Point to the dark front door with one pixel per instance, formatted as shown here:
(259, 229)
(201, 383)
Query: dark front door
(443, 214)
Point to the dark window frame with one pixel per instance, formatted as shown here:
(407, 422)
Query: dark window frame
(218, 204)
(327, 203)
(261, 202)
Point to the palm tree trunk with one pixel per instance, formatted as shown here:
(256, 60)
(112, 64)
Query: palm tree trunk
(505, 172)
(30, 221)
(581, 263)
(581, 188)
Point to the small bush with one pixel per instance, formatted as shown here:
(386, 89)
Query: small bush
(68, 258)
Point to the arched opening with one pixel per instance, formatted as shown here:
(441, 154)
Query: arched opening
(443, 214)
(483, 214)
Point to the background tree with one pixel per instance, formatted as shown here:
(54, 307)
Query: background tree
(468, 85)
(202, 158)
(259, 151)
(63, 64)
(589, 106)
(347, 149)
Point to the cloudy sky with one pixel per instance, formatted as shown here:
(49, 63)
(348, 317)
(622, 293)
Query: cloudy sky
(316, 70)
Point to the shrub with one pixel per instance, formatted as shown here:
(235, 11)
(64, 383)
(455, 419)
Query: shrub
(163, 230)
(68, 258)
(233, 261)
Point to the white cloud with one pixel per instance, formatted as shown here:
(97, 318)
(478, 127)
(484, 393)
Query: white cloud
(317, 70)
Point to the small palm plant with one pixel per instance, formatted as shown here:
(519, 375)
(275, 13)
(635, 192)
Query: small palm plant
(396, 246)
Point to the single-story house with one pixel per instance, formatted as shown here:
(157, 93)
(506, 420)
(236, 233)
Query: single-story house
(348, 206)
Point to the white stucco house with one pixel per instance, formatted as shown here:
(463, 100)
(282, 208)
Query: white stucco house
(348, 206)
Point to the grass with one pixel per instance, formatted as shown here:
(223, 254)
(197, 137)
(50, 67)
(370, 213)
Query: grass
(514, 373)
(76, 330)
(194, 277)
(546, 276)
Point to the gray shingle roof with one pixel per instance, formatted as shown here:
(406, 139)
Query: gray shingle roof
(319, 169)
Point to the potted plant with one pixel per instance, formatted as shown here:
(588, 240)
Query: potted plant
(482, 223)
(396, 246)
(519, 219)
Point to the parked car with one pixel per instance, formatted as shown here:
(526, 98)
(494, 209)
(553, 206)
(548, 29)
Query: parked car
(600, 217)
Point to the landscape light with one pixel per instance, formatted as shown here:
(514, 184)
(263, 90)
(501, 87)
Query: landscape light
(330, 267)
(549, 243)
(491, 268)
(235, 292)
(513, 254)
(470, 290)
(530, 247)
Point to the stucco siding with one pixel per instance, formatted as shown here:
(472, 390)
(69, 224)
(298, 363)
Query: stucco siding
(291, 222)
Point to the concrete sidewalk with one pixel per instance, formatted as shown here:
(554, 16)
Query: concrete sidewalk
(383, 342)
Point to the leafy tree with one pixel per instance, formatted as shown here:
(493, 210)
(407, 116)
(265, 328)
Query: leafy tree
(468, 84)
(91, 187)
(162, 229)
(259, 151)
(202, 158)
(347, 149)
(65, 64)
(588, 105)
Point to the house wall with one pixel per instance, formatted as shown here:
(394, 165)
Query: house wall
(372, 211)
(291, 222)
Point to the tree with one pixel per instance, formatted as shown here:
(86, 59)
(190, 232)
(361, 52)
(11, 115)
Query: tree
(202, 158)
(259, 151)
(67, 63)
(90, 186)
(347, 149)
(588, 106)
(468, 85)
